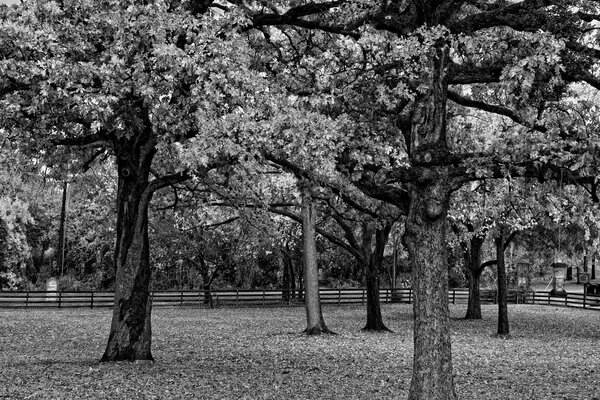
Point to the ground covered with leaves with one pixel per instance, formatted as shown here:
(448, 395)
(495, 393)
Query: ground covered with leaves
(554, 353)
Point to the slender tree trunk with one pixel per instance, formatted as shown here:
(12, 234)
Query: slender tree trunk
(503, 329)
(130, 332)
(374, 317)
(207, 296)
(593, 267)
(314, 315)
(425, 239)
(285, 281)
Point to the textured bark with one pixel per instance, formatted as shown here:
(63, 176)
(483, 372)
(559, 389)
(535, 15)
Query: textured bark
(425, 237)
(503, 329)
(315, 324)
(130, 332)
(374, 318)
(473, 276)
(474, 304)
(426, 241)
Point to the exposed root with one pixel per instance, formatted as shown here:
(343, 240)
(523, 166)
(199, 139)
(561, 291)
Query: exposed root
(318, 330)
(377, 329)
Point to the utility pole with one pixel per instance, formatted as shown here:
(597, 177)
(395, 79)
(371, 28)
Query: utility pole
(61, 230)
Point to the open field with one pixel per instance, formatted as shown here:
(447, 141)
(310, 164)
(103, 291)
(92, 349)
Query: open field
(258, 354)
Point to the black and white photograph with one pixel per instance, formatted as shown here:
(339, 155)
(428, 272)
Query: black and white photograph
(299, 199)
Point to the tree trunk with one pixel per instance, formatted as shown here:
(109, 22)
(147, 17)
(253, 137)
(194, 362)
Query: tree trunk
(130, 332)
(207, 296)
(425, 236)
(314, 316)
(473, 275)
(474, 304)
(503, 329)
(425, 239)
(593, 267)
(374, 317)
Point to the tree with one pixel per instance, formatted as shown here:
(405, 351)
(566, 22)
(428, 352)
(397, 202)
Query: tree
(314, 315)
(123, 79)
(404, 50)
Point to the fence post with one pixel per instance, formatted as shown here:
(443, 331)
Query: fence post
(59, 298)
(27, 299)
(453, 296)
(92, 300)
(566, 299)
(339, 295)
(548, 298)
(363, 296)
(237, 296)
(263, 299)
(181, 299)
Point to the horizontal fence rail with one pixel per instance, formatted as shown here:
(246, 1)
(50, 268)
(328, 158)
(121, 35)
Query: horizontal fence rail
(259, 298)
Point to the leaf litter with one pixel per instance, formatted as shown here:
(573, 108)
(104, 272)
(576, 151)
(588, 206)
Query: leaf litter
(253, 353)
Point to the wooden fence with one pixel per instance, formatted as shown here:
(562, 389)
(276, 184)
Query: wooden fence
(259, 298)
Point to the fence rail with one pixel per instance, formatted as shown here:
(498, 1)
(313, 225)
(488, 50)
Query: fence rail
(249, 298)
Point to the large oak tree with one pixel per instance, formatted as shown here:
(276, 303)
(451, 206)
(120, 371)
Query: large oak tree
(81, 80)
(408, 59)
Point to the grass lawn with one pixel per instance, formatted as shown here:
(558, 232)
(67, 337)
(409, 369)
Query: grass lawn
(228, 353)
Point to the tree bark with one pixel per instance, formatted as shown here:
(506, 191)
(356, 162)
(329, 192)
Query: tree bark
(503, 329)
(425, 239)
(474, 304)
(425, 236)
(473, 276)
(314, 315)
(374, 318)
(130, 332)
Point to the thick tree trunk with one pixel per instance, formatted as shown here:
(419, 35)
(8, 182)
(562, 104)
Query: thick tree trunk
(130, 332)
(425, 239)
(474, 304)
(473, 275)
(503, 329)
(374, 317)
(314, 316)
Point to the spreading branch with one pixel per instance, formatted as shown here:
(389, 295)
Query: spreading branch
(495, 109)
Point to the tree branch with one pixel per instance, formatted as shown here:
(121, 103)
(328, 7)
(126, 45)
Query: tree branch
(170, 180)
(495, 109)
(327, 235)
